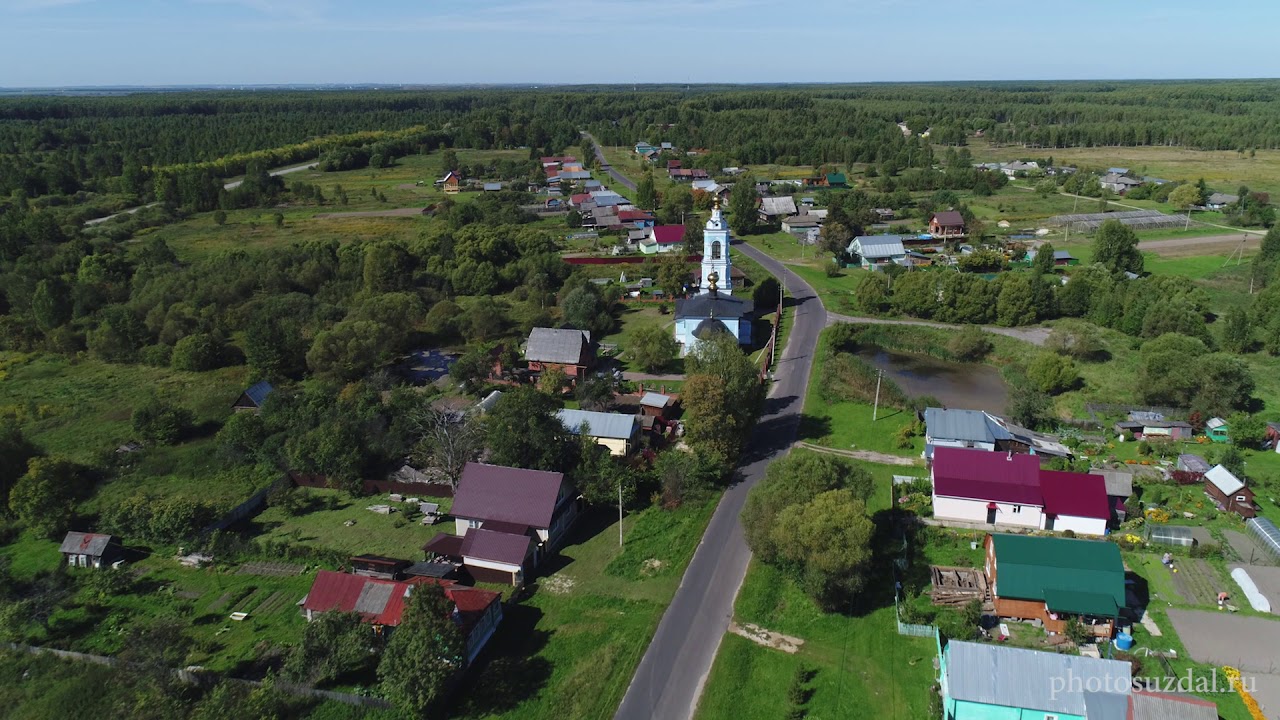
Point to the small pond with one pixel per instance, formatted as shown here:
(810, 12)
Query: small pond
(970, 386)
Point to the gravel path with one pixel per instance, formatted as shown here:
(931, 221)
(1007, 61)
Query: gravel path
(1033, 335)
(398, 212)
(867, 455)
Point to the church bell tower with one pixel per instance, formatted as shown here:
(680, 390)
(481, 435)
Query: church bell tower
(715, 254)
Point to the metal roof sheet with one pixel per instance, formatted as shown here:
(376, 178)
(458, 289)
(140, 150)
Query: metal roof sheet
(600, 424)
(258, 392)
(494, 492)
(1118, 482)
(1028, 567)
(1224, 480)
(716, 305)
(93, 544)
(496, 546)
(877, 246)
(967, 425)
(653, 399)
(566, 346)
(1020, 678)
(778, 206)
(989, 476)
(1194, 463)
(1074, 494)
(1163, 706)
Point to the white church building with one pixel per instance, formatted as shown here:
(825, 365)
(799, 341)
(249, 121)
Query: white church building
(713, 309)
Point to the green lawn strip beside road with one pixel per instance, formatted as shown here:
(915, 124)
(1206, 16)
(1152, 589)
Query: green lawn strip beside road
(863, 667)
(569, 650)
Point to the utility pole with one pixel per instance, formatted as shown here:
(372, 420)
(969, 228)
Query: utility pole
(875, 410)
(619, 513)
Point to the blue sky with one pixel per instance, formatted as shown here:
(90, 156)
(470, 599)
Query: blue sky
(165, 42)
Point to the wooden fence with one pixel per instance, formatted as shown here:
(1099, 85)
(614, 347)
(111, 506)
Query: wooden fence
(769, 356)
(248, 508)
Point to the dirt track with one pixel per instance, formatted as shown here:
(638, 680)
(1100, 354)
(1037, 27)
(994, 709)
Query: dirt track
(398, 212)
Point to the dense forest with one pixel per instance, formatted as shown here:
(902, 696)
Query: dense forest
(103, 144)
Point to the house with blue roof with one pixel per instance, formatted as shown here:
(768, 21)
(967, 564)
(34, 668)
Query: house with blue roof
(614, 431)
(252, 399)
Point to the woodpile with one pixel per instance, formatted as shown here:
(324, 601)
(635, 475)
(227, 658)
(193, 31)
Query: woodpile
(957, 586)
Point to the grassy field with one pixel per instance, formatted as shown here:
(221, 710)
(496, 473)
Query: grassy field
(322, 524)
(569, 650)
(77, 407)
(1221, 169)
(863, 667)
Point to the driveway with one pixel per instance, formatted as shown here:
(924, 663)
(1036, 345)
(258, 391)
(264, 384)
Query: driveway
(1033, 335)
(674, 669)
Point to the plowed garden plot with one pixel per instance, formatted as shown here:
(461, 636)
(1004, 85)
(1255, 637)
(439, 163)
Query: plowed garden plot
(276, 602)
(1197, 581)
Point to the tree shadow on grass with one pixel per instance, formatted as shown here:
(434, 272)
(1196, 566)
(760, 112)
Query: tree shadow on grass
(813, 427)
(508, 672)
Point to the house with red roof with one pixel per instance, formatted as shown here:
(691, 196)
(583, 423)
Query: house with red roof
(636, 218)
(508, 521)
(1010, 490)
(663, 239)
(381, 603)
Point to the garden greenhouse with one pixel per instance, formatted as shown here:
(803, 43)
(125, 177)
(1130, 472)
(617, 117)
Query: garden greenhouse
(1267, 535)
(1170, 535)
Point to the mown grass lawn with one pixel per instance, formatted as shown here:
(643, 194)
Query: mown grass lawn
(324, 514)
(864, 668)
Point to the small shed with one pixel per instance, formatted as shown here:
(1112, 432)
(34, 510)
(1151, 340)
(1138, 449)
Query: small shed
(1229, 491)
(1188, 462)
(1267, 535)
(1179, 535)
(377, 566)
(93, 550)
(252, 398)
(1218, 430)
(656, 404)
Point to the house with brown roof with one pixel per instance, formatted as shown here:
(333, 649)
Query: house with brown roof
(452, 183)
(381, 603)
(565, 348)
(947, 224)
(508, 520)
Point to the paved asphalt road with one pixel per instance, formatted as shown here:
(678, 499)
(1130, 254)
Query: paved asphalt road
(604, 165)
(674, 669)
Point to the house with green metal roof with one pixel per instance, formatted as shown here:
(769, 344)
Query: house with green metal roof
(1055, 580)
(837, 180)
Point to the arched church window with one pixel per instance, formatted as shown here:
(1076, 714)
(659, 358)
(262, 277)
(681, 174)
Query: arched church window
(715, 250)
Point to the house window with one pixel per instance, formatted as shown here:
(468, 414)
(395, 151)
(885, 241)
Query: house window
(1241, 498)
(1017, 508)
(715, 250)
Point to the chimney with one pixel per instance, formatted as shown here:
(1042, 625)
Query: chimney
(1010, 458)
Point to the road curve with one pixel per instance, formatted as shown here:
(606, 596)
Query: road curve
(674, 669)
(1033, 335)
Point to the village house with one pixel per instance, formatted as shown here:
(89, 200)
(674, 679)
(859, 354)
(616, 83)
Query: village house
(976, 487)
(452, 183)
(1119, 486)
(614, 431)
(801, 224)
(1218, 430)
(1218, 200)
(381, 603)
(1273, 435)
(1012, 169)
(377, 566)
(1229, 492)
(568, 349)
(644, 148)
(1150, 426)
(93, 550)
(662, 239)
(251, 400)
(947, 225)
(1118, 183)
(508, 520)
(775, 209)
(1055, 579)
(876, 251)
(1195, 464)
(954, 427)
(687, 174)
(979, 681)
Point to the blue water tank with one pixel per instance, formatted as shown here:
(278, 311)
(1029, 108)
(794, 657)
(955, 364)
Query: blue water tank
(1124, 641)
